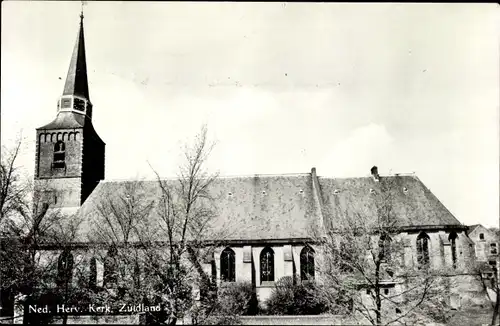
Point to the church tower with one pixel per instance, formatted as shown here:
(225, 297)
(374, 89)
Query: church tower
(69, 153)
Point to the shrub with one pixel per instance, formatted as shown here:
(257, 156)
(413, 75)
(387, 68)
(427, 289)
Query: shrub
(232, 300)
(238, 298)
(295, 298)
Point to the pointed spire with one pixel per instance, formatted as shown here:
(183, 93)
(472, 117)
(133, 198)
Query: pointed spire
(76, 80)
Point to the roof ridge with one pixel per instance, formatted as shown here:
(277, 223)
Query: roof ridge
(218, 177)
(263, 175)
(410, 174)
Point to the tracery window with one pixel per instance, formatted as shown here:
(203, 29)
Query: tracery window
(93, 273)
(65, 268)
(453, 240)
(423, 249)
(228, 265)
(110, 276)
(384, 245)
(307, 264)
(267, 265)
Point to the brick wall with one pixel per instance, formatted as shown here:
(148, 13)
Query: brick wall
(83, 168)
(46, 140)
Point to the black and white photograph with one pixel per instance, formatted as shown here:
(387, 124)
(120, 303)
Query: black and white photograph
(249, 163)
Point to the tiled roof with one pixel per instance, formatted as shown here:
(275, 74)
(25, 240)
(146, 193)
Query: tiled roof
(287, 206)
(247, 208)
(412, 203)
(472, 227)
(66, 120)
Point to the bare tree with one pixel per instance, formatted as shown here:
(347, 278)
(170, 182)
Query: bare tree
(13, 189)
(122, 225)
(187, 212)
(31, 228)
(363, 261)
(163, 230)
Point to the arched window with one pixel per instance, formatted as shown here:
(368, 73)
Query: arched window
(59, 154)
(267, 265)
(65, 268)
(384, 245)
(423, 249)
(344, 254)
(110, 276)
(137, 275)
(453, 241)
(93, 273)
(213, 270)
(307, 264)
(227, 266)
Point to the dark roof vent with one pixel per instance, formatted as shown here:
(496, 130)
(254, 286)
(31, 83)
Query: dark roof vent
(301, 191)
(405, 189)
(263, 192)
(374, 173)
(336, 191)
(372, 191)
(230, 194)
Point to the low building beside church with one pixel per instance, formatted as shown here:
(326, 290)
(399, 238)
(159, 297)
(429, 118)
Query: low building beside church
(486, 248)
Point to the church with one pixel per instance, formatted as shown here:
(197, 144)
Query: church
(269, 219)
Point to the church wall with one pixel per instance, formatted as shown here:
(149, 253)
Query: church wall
(243, 269)
(287, 259)
(440, 251)
(465, 288)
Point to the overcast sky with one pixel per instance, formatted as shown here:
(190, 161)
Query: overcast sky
(282, 87)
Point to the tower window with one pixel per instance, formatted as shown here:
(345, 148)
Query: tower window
(267, 265)
(59, 154)
(481, 236)
(227, 265)
(307, 264)
(79, 104)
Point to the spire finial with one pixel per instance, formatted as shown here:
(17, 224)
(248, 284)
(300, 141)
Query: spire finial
(81, 12)
(76, 80)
